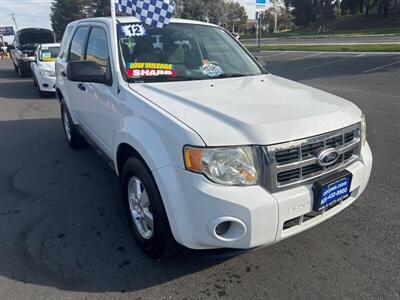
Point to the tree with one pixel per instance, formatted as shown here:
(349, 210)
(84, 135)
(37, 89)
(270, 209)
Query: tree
(234, 16)
(99, 8)
(63, 12)
(284, 20)
(227, 13)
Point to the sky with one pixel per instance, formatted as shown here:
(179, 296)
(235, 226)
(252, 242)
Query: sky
(35, 13)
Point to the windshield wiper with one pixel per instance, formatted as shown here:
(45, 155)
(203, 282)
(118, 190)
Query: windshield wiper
(160, 79)
(232, 75)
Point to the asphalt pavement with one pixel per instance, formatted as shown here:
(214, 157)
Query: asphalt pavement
(338, 40)
(63, 233)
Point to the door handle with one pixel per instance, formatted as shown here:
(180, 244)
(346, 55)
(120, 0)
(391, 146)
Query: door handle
(63, 74)
(81, 87)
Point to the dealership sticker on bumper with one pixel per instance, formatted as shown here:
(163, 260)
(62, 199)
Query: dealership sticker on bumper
(330, 191)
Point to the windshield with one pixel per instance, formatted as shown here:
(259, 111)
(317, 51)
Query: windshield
(182, 52)
(48, 53)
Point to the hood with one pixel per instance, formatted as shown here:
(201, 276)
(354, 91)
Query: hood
(260, 110)
(31, 36)
(47, 65)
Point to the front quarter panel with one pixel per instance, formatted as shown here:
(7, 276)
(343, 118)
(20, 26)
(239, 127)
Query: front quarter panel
(156, 135)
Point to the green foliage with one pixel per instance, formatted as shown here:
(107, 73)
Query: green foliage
(227, 13)
(370, 7)
(64, 12)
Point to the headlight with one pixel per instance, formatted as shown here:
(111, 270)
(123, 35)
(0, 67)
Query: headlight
(47, 73)
(234, 166)
(363, 130)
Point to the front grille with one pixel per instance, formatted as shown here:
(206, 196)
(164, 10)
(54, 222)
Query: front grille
(295, 163)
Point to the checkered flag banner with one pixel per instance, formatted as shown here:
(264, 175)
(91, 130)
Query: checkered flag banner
(156, 13)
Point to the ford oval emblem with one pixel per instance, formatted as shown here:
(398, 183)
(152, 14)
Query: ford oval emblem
(328, 157)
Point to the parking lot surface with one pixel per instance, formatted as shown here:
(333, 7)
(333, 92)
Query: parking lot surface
(366, 39)
(63, 233)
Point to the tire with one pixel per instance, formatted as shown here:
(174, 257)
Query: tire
(74, 138)
(21, 73)
(15, 68)
(42, 94)
(34, 82)
(160, 242)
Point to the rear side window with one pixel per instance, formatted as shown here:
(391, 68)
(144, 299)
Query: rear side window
(64, 41)
(77, 48)
(97, 48)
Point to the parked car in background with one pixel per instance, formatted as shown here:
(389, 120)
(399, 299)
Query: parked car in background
(211, 150)
(24, 46)
(3, 45)
(43, 68)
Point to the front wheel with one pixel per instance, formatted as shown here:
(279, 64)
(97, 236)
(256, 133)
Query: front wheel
(145, 210)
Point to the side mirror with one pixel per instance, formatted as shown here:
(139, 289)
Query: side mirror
(86, 71)
(10, 47)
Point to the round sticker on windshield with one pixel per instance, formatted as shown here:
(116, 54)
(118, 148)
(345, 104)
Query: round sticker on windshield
(210, 69)
(132, 30)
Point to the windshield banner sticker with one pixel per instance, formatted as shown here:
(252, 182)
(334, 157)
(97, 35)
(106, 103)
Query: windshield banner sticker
(149, 69)
(210, 69)
(132, 30)
(46, 56)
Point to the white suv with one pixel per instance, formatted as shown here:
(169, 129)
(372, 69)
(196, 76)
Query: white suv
(211, 150)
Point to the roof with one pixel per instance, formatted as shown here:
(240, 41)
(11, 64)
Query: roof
(134, 20)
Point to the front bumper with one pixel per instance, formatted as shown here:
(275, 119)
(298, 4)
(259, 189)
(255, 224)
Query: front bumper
(46, 84)
(195, 206)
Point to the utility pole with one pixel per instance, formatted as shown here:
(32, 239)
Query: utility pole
(15, 22)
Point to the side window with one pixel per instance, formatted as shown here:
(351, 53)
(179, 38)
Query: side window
(77, 48)
(64, 41)
(97, 48)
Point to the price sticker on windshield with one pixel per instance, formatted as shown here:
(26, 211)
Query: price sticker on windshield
(133, 30)
(149, 69)
(46, 55)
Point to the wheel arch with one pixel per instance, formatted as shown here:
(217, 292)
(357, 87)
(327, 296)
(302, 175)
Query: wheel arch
(124, 152)
(59, 94)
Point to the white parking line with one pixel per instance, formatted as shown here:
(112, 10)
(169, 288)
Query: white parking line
(294, 59)
(335, 61)
(381, 67)
(276, 54)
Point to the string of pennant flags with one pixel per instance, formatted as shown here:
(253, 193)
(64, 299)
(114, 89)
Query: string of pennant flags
(156, 13)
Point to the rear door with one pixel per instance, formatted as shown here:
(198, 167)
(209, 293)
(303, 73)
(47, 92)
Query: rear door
(61, 63)
(76, 52)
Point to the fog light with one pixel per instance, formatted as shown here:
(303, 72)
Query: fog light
(227, 229)
(222, 228)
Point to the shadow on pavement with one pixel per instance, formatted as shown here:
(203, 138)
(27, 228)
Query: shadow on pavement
(21, 90)
(62, 222)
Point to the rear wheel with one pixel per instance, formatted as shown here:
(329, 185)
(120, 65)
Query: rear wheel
(145, 210)
(74, 138)
(21, 72)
